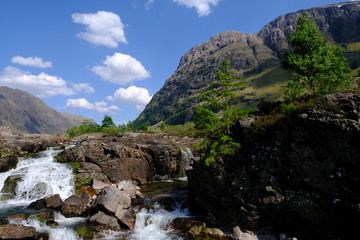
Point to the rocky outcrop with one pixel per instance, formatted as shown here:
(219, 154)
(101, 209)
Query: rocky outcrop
(138, 159)
(299, 175)
(255, 56)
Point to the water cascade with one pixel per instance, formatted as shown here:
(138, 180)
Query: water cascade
(40, 176)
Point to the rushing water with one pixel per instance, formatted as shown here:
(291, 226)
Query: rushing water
(41, 176)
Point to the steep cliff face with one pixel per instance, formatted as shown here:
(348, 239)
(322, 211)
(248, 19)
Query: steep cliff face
(25, 113)
(255, 56)
(299, 176)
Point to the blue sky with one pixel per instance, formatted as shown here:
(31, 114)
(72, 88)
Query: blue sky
(97, 57)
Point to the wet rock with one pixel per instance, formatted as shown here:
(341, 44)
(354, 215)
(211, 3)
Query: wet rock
(53, 201)
(46, 217)
(17, 231)
(86, 198)
(197, 229)
(106, 220)
(73, 207)
(10, 184)
(38, 204)
(7, 163)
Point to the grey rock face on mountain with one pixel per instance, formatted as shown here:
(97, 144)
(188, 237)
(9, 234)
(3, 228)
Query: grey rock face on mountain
(25, 113)
(255, 56)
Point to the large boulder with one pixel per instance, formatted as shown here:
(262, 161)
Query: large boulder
(106, 220)
(17, 231)
(298, 175)
(53, 201)
(8, 162)
(73, 207)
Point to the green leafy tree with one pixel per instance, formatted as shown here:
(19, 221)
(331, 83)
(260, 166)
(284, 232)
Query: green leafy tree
(216, 140)
(144, 127)
(130, 126)
(107, 122)
(318, 67)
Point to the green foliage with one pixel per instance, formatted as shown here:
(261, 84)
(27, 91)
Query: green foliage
(162, 127)
(288, 109)
(112, 131)
(85, 127)
(144, 127)
(216, 140)
(130, 126)
(107, 122)
(318, 67)
(204, 117)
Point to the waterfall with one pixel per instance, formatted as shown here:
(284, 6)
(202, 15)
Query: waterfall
(38, 177)
(185, 159)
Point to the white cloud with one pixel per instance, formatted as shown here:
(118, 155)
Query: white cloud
(102, 28)
(131, 95)
(121, 69)
(82, 103)
(148, 4)
(202, 6)
(31, 61)
(42, 85)
(83, 87)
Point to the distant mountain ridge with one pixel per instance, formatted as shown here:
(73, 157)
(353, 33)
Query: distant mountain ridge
(25, 113)
(255, 56)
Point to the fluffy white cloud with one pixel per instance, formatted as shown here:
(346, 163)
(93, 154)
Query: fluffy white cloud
(82, 103)
(121, 69)
(42, 85)
(102, 28)
(83, 87)
(202, 6)
(31, 61)
(131, 95)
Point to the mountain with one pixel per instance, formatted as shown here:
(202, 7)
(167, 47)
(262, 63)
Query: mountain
(255, 56)
(25, 113)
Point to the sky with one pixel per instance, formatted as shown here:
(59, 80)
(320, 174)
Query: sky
(109, 57)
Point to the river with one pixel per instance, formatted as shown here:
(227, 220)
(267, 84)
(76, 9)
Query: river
(40, 176)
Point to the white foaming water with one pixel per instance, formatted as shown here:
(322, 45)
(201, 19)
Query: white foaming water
(150, 225)
(155, 224)
(39, 177)
(62, 232)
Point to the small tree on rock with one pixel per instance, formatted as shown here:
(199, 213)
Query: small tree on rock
(318, 67)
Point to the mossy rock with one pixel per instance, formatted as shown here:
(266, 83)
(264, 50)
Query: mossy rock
(82, 179)
(85, 233)
(10, 184)
(60, 159)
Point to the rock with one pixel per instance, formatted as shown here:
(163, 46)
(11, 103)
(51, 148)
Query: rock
(17, 231)
(86, 198)
(99, 185)
(300, 172)
(53, 201)
(103, 219)
(38, 204)
(125, 216)
(7, 163)
(128, 187)
(10, 184)
(73, 207)
(109, 199)
(133, 158)
(46, 217)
